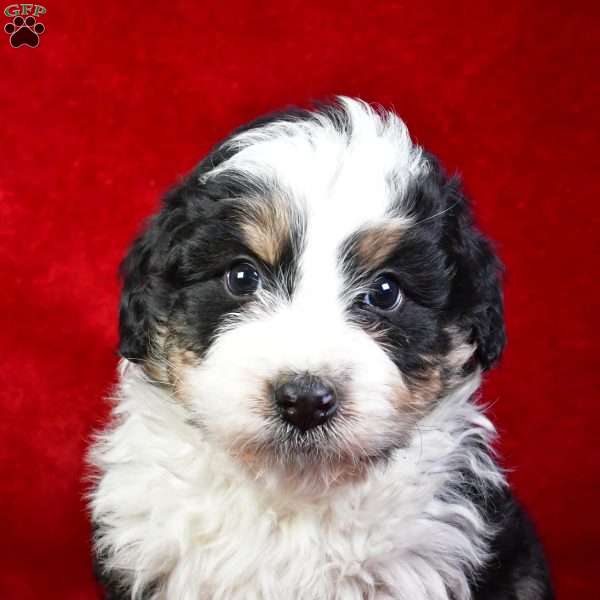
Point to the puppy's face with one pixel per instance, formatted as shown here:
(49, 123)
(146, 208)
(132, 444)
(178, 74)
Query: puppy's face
(312, 290)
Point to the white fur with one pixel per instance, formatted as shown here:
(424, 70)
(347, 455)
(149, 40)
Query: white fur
(174, 504)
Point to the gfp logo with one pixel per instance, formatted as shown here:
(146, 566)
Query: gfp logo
(25, 29)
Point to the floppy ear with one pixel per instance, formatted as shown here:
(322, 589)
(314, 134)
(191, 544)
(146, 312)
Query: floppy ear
(144, 296)
(476, 292)
(149, 273)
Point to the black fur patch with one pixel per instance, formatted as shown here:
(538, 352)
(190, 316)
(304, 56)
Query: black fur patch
(449, 277)
(518, 568)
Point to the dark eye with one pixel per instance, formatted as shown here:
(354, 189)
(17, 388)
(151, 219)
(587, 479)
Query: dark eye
(385, 293)
(243, 279)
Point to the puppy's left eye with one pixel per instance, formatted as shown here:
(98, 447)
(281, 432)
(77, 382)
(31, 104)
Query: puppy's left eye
(385, 293)
(243, 279)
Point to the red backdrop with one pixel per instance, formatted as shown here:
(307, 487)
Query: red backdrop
(120, 98)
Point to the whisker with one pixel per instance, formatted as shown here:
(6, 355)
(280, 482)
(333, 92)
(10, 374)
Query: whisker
(439, 214)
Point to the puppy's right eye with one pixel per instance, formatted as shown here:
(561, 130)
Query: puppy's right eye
(243, 279)
(385, 294)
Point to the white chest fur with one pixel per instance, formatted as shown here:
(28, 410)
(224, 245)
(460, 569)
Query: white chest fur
(169, 504)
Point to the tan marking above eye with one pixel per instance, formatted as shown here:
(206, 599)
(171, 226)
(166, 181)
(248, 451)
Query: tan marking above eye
(376, 242)
(265, 225)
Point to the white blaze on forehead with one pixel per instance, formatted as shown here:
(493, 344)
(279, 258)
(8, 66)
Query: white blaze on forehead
(341, 179)
(347, 173)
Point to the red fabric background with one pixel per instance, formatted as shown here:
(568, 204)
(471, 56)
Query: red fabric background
(122, 97)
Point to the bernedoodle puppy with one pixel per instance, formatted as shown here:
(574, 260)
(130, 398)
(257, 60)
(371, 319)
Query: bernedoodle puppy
(304, 327)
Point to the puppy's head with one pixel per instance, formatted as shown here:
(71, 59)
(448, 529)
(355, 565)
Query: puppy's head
(313, 289)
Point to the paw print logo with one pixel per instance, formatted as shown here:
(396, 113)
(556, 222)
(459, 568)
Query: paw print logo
(24, 32)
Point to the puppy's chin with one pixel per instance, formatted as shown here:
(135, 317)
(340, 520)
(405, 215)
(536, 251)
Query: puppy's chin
(305, 467)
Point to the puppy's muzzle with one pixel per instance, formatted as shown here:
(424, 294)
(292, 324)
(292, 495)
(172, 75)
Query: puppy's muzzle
(305, 401)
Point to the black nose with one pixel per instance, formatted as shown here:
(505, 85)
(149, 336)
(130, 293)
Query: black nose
(305, 402)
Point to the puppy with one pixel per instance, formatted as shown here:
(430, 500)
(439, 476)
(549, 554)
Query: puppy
(304, 326)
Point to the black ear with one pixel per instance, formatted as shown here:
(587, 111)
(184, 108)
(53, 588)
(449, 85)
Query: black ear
(149, 273)
(144, 296)
(476, 293)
